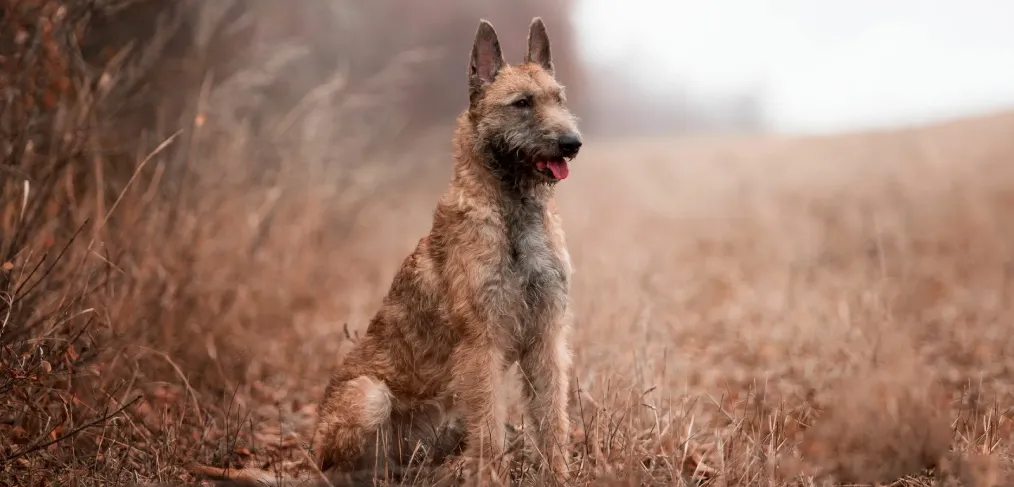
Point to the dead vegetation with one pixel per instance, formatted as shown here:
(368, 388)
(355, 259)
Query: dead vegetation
(196, 214)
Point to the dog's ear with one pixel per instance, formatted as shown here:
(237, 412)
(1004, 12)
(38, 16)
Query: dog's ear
(487, 58)
(538, 46)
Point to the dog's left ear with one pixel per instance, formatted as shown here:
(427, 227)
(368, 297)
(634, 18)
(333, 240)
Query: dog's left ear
(538, 46)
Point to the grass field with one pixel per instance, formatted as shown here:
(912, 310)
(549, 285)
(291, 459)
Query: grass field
(749, 312)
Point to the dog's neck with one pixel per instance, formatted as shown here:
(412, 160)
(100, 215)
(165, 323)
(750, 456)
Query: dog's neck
(479, 165)
(480, 170)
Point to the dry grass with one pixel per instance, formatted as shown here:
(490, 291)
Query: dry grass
(749, 312)
(843, 299)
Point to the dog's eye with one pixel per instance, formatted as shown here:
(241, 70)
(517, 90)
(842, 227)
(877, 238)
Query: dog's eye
(523, 103)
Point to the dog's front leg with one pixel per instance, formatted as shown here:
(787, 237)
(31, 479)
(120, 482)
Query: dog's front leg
(546, 368)
(478, 385)
(483, 304)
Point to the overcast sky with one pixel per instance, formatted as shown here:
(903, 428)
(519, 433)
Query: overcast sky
(821, 66)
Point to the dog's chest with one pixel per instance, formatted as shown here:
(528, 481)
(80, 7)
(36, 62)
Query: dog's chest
(536, 267)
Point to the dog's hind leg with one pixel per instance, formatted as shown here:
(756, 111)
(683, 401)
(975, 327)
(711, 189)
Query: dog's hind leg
(352, 411)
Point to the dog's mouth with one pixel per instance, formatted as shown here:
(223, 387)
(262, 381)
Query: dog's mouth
(555, 168)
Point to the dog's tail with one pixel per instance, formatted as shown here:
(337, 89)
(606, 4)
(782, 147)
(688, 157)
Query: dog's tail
(242, 476)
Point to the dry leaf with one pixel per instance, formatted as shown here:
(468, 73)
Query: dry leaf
(55, 432)
(8, 265)
(46, 367)
(19, 435)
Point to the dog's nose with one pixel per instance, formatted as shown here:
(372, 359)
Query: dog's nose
(570, 144)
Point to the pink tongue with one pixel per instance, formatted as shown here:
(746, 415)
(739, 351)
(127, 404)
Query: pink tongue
(559, 168)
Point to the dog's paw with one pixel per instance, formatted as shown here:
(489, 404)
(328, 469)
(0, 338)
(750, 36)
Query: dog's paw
(478, 471)
(559, 470)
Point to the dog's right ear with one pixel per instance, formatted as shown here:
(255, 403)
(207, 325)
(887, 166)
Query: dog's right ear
(487, 58)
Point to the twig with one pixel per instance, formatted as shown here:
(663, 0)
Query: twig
(102, 419)
(183, 377)
(17, 292)
(165, 143)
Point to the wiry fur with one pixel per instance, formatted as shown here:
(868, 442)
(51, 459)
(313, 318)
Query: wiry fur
(486, 288)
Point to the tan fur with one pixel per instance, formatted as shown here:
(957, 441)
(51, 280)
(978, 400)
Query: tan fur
(486, 288)
(402, 448)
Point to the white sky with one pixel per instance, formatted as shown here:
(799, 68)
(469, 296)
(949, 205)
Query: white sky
(821, 65)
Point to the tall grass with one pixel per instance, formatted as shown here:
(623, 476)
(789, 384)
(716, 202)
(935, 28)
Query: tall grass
(202, 202)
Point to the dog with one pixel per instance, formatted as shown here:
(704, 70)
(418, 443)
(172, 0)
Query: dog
(486, 288)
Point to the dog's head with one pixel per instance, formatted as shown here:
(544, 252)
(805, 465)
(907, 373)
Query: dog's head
(520, 112)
